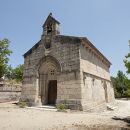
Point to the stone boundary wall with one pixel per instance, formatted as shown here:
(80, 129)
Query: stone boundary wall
(9, 92)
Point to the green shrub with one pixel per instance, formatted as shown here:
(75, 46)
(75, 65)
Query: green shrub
(60, 106)
(127, 93)
(22, 104)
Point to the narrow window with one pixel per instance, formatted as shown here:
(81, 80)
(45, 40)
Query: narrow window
(93, 81)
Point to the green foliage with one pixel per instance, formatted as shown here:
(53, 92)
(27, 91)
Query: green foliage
(60, 106)
(9, 72)
(15, 74)
(5, 70)
(4, 53)
(121, 85)
(127, 63)
(18, 73)
(2, 69)
(22, 104)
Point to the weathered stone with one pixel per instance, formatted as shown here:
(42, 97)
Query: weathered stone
(66, 69)
(9, 92)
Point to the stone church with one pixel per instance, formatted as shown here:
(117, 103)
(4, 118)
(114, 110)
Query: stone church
(66, 69)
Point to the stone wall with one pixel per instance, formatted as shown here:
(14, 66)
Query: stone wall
(9, 92)
(90, 63)
(96, 92)
(96, 87)
(65, 50)
(69, 90)
(31, 60)
(110, 92)
(81, 71)
(83, 80)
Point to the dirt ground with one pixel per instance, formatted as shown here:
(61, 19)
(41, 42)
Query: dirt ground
(14, 118)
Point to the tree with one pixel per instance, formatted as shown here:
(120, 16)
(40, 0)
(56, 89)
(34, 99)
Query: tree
(9, 72)
(121, 82)
(127, 63)
(4, 53)
(114, 82)
(121, 85)
(17, 73)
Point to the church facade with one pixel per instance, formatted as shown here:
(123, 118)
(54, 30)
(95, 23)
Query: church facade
(66, 69)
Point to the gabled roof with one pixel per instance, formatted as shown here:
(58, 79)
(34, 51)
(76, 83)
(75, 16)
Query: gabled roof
(74, 39)
(30, 50)
(63, 38)
(50, 17)
(86, 42)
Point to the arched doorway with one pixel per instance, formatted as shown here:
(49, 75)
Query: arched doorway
(52, 92)
(48, 71)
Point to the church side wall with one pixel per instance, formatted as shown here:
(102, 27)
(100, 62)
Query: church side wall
(91, 64)
(96, 92)
(96, 87)
(110, 92)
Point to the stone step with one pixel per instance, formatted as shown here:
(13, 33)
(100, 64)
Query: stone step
(47, 106)
(111, 107)
(44, 107)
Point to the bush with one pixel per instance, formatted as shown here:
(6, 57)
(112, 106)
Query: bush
(22, 104)
(127, 93)
(60, 106)
(15, 74)
(121, 85)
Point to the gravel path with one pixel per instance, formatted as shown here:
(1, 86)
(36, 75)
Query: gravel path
(14, 118)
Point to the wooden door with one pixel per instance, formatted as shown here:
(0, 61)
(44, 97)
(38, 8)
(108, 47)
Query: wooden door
(52, 92)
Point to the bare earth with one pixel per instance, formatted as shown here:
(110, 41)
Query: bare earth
(15, 118)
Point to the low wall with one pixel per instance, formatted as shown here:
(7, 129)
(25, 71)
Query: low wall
(9, 92)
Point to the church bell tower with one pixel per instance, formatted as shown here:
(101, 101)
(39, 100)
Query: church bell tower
(51, 26)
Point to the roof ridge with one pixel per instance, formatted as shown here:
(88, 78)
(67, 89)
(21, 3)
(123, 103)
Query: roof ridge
(50, 16)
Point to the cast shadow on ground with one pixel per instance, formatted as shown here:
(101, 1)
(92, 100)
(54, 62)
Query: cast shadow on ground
(126, 119)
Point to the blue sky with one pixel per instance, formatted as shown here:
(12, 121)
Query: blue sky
(106, 23)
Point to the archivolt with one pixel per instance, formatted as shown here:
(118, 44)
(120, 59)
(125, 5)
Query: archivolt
(48, 62)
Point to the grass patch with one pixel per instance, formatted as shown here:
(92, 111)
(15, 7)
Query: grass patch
(22, 104)
(60, 106)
